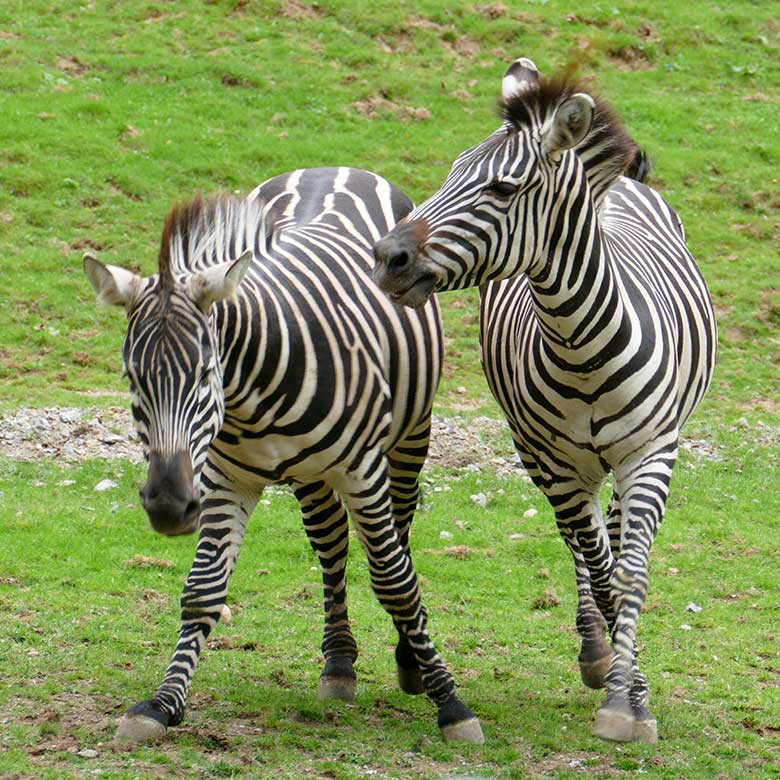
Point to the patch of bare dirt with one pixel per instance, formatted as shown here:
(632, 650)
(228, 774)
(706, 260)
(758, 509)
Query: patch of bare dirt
(296, 9)
(379, 105)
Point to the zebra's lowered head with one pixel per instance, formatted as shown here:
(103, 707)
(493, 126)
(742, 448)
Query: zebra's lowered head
(495, 213)
(171, 359)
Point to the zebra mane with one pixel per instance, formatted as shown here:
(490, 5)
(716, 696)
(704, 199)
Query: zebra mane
(607, 152)
(203, 232)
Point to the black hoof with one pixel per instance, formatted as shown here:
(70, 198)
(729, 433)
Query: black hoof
(145, 722)
(337, 680)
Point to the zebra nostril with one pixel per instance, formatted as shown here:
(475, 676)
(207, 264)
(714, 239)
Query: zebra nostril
(398, 261)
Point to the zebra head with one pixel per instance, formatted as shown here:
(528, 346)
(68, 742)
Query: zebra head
(171, 359)
(493, 215)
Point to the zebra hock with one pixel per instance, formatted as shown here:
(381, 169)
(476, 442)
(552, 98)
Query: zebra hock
(262, 353)
(597, 334)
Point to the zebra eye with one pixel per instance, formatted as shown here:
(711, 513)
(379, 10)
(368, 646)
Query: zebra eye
(502, 189)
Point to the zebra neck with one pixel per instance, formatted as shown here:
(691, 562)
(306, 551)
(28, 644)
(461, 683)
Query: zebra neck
(577, 295)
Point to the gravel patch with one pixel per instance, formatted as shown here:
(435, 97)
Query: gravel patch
(71, 435)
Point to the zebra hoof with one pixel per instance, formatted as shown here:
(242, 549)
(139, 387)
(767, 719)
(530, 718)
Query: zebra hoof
(615, 723)
(459, 724)
(410, 680)
(594, 673)
(341, 688)
(645, 726)
(337, 680)
(465, 731)
(142, 723)
(139, 728)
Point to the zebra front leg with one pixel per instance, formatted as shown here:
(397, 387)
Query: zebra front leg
(222, 525)
(645, 725)
(625, 715)
(327, 528)
(395, 584)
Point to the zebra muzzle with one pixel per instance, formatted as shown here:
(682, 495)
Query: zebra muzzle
(169, 496)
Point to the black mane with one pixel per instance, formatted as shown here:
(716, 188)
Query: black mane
(606, 152)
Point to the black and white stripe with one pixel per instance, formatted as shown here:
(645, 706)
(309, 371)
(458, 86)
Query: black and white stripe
(598, 344)
(286, 365)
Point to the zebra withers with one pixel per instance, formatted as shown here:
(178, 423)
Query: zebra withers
(261, 353)
(598, 344)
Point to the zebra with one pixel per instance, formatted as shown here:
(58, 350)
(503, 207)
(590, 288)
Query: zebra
(597, 336)
(260, 353)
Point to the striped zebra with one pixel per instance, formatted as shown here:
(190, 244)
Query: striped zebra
(261, 353)
(598, 344)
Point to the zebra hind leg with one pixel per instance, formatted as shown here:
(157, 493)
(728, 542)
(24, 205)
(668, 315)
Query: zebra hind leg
(395, 585)
(327, 528)
(580, 524)
(405, 463)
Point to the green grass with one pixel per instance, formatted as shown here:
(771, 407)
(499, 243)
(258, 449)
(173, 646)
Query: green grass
(87, 632)
(110, 112)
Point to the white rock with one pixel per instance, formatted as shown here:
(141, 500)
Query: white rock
(693, 607)
(445, 535)
(480, 499)
(105, 484)
(530, 512)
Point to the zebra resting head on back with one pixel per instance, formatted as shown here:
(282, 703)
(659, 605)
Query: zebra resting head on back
(598, 344)
(261, 353)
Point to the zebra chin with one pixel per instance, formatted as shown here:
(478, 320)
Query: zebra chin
(413, 294)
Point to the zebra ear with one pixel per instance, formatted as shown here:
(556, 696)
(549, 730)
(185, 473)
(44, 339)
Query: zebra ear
(114, 286)
(219, 282)
(520, 76)
(569, 126)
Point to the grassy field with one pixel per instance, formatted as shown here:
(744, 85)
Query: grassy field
(111, 111)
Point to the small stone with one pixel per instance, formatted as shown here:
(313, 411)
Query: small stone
(105, 484)
(530, 512)
(742, 422)
(480, 499)
(445, 535)
(225, 615)
(693, 607)
(686, 627)
(87, 753)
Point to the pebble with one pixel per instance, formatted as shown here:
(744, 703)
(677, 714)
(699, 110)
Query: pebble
(105, 484)
(480, 499)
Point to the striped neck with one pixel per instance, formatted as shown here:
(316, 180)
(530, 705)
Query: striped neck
(576, 292)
